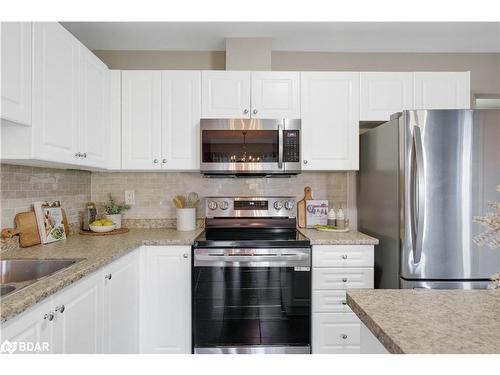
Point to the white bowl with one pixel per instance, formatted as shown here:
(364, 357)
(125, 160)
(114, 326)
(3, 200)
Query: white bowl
(102, 229)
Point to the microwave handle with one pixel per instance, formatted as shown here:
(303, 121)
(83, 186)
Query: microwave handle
(280, 145)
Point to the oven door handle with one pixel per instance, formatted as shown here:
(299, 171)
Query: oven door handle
(250, 258)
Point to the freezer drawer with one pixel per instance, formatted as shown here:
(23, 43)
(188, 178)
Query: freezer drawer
(342, 278)
(335, 333)
(342, 256)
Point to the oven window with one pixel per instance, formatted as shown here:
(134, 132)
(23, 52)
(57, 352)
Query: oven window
(234, 306)
(240, 146)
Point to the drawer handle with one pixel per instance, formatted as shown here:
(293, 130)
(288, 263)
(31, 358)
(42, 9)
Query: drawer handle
(344, 256)
(344, 336)
(108, 276)
(60, 308)
(344, 302)
(344, 279)
(49, 316)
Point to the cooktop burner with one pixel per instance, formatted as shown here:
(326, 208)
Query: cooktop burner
(237, 237)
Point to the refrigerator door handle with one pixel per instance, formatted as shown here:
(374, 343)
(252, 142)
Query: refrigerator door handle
(419, 213)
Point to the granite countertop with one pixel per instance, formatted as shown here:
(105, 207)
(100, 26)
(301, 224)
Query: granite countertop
(352, 237)
(98, 251)
(430, 321)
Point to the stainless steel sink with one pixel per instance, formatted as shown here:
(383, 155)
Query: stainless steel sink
(16, 274)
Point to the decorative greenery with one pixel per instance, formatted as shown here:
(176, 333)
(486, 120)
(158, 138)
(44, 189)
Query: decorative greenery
(491, 236)
(113, 208)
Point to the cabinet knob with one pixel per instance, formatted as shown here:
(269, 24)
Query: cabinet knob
(185, 255)
(245, 111)
(84, 155)
(305, 162)
(155, 161)
(255, 111)
(344, 302)
(108, 276)
(78, 154)
(61, 308)
(164, 161)
(344, 336)
(49, 316)
(344, 279)
(344, 256)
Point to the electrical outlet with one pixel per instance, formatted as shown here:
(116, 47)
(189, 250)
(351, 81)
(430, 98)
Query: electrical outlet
(129, 197)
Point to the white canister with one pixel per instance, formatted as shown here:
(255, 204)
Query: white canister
(117, 219)
(186, 219)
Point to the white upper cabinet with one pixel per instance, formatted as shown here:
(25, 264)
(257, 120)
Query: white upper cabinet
(94, 109)
(442, 90)
(16, 72)
(384, 93)
(275, 95)
(181, 113)
(141, 119)
(55, 93)
(226, 94)
(330, 120)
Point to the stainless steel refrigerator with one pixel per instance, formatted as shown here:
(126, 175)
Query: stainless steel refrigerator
(423, 177)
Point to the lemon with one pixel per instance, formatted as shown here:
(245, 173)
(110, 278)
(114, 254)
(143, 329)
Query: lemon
(97, 223)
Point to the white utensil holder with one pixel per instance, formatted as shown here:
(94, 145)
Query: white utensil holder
(186, 219)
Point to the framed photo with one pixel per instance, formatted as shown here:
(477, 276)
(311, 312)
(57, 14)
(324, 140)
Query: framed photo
(49, 218)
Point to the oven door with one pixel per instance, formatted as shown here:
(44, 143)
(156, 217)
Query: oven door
(252, 301)
(249, 146)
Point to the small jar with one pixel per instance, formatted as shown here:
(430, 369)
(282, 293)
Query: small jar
(340, 219)
(332, 219)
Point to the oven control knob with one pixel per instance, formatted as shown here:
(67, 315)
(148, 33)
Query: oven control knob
(212, 205)
(224, 205)
(278, 205)
(289, 205)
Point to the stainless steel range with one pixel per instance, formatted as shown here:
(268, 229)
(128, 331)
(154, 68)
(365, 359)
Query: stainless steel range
(251, 278)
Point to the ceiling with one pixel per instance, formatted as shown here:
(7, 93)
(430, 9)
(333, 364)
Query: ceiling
(293, 36)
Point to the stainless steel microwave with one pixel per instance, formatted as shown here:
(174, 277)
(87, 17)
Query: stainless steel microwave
(243, 147)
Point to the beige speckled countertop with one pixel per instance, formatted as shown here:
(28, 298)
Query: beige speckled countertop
(431, 321)
(352, 237)
(97, 251)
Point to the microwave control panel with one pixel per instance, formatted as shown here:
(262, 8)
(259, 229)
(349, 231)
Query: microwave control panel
(291, 146)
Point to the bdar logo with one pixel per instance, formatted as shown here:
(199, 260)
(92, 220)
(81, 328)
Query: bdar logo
(8, 347)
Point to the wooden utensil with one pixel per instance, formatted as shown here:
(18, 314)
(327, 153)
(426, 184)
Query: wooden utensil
(301, 207)
(27, 229)
(180, 201)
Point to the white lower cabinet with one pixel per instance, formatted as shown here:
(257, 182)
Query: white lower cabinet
(77, 326)
(121, 307)
(166, 300)
(369, 343)
(335, 328)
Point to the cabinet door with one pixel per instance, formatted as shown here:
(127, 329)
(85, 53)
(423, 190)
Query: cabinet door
(335, 333)
(330, 120)
(166, 308)
(16, 72)
(275, 95)
(225, 94)
(442, 90)
(94, 109)
(384, 93)
(141, 120)
(121, 305)
(55, 93)
(33, 327)
(181, 112)
(343, 256)
(342, 278)
(78, 321)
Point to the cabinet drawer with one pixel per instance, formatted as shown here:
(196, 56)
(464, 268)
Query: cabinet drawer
(335, 333)
(342, 278)
(342, 256)
(333, 301)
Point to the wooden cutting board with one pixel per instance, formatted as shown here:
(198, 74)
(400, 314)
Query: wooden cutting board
(27, 229)
(301, 207)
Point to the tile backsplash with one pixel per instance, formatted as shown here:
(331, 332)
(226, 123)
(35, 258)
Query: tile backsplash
(154, 190)
(21, 186)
